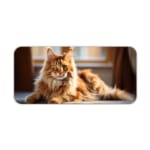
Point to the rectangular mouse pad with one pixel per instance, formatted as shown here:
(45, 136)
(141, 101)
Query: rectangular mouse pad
(75, 75)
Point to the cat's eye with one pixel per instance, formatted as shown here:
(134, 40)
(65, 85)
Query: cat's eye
(65, 67)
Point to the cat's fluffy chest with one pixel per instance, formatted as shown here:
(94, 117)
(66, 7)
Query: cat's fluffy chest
(55, 84)
(61, 87)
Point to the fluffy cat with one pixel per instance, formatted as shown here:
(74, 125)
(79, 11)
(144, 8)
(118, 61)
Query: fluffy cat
(60, 82)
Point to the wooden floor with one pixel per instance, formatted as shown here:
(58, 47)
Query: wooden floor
(20, 98)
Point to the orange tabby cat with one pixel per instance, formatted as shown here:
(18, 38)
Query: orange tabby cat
(59, 82)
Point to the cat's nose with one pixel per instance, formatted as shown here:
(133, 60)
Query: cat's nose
(56, 73)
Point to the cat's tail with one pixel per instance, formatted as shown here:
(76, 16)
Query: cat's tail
(98, 87)
(115, 94)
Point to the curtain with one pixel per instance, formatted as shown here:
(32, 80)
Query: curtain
(124, 76)
(23, 69)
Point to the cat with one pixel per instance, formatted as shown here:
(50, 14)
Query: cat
(59, 82)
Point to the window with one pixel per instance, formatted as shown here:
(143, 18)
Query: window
(82, 53)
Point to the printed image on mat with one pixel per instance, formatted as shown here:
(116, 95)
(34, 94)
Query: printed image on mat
(75, 75)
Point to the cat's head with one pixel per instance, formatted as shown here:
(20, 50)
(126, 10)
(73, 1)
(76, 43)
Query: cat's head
(58, 67)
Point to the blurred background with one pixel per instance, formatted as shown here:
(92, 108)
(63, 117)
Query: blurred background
(115, 65)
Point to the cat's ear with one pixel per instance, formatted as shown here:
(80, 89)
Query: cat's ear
(50, 54)
(69, 54)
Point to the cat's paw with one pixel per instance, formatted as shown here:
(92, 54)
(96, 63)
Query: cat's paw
(33, 98)
(29, 100)
(55, 100)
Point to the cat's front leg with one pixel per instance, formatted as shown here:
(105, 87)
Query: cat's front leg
(33, 98)
(55, 100)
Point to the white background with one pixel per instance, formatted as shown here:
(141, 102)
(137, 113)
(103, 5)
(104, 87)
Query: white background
(72, 127)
